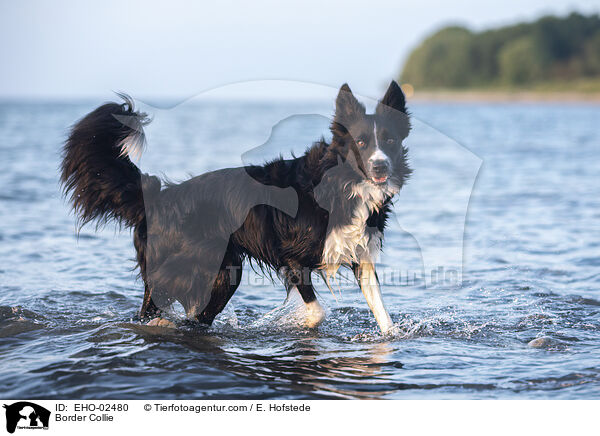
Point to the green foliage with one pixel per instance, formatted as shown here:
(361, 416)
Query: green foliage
(519, 62)
(592, 55)
(548, 49)
(444, 58)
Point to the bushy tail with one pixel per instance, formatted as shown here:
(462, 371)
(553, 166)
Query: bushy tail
(97, 171)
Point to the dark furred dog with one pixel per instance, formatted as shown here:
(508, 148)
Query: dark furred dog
(314, 213)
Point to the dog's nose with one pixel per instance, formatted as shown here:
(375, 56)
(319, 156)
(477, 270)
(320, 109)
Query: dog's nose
(379, 166)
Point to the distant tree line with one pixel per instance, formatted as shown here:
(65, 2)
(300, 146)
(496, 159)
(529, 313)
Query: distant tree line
(549, 49)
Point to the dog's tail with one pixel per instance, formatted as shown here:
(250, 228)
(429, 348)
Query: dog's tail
(97, 172)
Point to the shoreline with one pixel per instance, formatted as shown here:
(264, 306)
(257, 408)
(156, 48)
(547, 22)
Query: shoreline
(476, 96)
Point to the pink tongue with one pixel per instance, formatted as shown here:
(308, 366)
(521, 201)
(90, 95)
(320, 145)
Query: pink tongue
(379, 179)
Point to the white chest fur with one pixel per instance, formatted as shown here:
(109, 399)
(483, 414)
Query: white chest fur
(352, 243)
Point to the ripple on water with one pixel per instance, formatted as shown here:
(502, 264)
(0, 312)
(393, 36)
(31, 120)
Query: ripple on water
(16, 320)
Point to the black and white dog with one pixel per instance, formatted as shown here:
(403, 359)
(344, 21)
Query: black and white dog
(315, 213)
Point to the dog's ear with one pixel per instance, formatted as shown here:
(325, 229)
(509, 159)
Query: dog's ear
(347, 107)
(393, 99)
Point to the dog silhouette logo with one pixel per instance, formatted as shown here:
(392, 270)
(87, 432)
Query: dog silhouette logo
(26, 415)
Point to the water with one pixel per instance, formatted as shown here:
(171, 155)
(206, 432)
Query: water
(68, 303)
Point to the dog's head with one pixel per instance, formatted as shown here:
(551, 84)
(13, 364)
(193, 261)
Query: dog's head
(372, 143)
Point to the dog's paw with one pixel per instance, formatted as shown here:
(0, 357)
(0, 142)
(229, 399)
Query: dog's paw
(161, 322)
(391, 331)
(315, 314)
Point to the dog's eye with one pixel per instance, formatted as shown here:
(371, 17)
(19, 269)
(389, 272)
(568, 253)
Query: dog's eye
(391, 141)
(360, 143)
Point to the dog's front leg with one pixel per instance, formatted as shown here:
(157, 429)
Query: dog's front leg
(369, 284)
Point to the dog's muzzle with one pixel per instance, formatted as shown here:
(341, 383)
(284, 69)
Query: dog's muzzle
(379, 170)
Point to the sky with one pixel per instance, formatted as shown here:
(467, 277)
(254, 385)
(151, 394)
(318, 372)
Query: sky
(175, 49)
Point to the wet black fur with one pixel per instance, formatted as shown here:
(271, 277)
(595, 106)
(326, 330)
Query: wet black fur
(182, 231)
